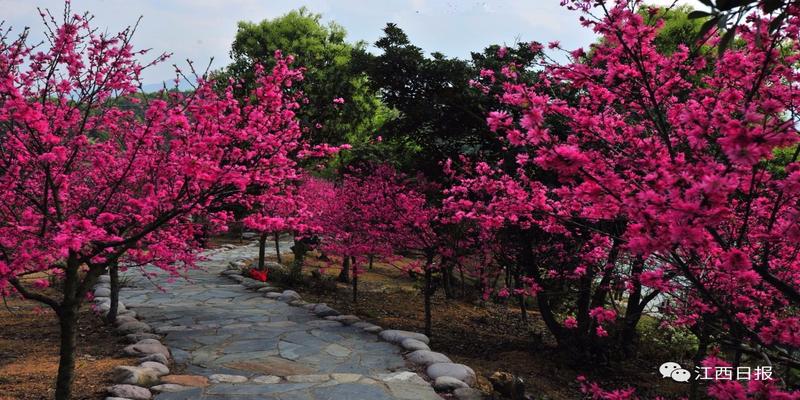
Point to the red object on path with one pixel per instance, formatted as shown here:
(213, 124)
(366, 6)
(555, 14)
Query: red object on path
(258, 275)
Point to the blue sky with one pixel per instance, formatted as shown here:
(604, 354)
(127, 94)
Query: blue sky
(201, 29)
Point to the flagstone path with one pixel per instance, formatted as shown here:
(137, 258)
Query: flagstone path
(252, 347)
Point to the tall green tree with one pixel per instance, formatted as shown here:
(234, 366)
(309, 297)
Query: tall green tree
(322, 50)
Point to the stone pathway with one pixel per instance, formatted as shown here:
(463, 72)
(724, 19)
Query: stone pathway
(251, 347)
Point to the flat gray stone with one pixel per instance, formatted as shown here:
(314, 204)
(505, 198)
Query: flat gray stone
(102, 292)
(337, 350)
(412, 391)
(351, 391)
(225, 378)
(170, 388)
(403, 376)
(267, 379)
(346, 378)
(308, 378)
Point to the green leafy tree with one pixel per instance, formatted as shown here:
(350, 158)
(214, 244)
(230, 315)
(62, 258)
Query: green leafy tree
(326, 56)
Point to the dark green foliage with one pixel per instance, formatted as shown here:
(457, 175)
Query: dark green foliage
(439, 116)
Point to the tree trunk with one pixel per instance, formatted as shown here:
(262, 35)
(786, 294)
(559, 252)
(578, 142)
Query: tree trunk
(463, 281)
(262, 249)
(355, 288)
(278, 248)
(299, 249)
(633, 313)
(447, 280)
(428, 293)
(113, 272)
(702, 349)
(344, 275)
(371, 260)
(68, 322)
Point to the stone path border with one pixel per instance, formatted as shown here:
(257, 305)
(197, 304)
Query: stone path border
(154, 357)
(446, 375)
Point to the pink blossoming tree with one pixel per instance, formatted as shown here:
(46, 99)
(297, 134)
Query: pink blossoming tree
(86, 182)
(670, 173)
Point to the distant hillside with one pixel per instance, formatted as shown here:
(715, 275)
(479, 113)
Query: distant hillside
(155, 87)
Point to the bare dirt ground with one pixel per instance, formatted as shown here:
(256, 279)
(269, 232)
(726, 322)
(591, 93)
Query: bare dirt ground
(29, 338)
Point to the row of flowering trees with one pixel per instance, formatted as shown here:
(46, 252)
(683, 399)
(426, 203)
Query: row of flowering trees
(633, 178)
(670, 177)
(92, 174)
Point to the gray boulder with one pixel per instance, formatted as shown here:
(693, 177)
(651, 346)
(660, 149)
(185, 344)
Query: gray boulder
(138, 376)
(160, 368)
(288, 295)
(157, 357)
(426, 357)
(130, 392)
(124, 319)
(397, 336)
(459, 371)
(448, 384)
(138, 337)
(134, 327)
(322, 310)
(468, 394)
(368, 327)
(413, 345)
(146, 347)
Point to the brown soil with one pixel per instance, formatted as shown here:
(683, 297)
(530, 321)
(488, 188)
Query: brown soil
(488, 337)
(29, 341)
